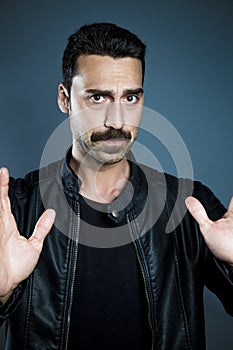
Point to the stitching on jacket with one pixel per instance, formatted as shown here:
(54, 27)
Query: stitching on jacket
(30, 285)
(180, 298)
(135, 225)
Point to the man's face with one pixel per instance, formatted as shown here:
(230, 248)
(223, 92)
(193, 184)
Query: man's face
(105, 107)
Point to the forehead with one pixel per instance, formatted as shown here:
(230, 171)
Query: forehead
(101, 70)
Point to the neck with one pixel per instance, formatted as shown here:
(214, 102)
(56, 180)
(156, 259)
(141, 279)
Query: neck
(101, 182)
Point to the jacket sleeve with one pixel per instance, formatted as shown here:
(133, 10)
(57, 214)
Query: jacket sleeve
(12, 303)
(218, 274)
(224, 289)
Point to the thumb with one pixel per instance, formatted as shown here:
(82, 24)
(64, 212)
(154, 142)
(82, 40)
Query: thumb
(44, 225)
(198, 212)
(230, 207)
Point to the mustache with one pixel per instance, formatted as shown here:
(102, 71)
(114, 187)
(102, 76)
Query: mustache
(110, 135)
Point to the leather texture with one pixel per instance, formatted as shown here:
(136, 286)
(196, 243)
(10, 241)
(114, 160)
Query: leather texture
(175, 265)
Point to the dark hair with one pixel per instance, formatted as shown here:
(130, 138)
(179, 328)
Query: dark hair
(105, 39)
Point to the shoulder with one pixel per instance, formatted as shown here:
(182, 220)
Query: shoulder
(171, 183)
(32, 180)
(178, 189)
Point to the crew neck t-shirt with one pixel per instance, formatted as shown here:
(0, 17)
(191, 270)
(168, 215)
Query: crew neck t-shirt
(109, 309)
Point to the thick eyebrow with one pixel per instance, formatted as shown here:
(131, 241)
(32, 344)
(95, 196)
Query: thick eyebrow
(111, 93)
(138, 91)
(98, 92)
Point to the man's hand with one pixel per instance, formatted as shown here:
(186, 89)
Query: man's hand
(218, 235)
(18, 255)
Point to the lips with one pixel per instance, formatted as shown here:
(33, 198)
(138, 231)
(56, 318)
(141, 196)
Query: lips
(114, 141)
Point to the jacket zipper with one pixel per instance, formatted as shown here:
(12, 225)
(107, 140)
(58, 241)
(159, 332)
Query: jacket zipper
(144, 278)
(73, 276)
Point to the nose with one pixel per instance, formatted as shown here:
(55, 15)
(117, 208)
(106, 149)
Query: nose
(114, 115)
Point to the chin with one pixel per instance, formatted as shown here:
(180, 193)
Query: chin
(108, 158)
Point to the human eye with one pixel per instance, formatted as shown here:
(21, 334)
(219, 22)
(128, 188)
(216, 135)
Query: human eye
(131, 99)
(97, 99)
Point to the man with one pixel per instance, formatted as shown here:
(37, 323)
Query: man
(102, 280)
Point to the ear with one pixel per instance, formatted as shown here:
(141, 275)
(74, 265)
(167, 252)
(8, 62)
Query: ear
(63, 99)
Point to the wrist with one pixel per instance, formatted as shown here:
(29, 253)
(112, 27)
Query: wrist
(4, 299)
(6, 288)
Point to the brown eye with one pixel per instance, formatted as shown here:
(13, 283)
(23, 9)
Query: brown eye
(131, 99)
(97, 99)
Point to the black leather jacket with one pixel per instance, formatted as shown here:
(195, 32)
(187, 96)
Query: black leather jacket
(174, 260)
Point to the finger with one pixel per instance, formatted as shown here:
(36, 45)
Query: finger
(230, 207)
(198, 212)
(5, 205)
(44, 225)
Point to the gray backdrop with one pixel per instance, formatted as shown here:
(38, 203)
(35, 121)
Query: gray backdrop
(188, 80)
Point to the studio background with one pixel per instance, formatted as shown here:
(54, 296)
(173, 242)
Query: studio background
(189, 75)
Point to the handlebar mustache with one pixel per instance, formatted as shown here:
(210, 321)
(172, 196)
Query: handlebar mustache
(110, 135)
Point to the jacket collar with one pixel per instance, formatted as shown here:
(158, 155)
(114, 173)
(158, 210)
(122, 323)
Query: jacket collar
(132, 198)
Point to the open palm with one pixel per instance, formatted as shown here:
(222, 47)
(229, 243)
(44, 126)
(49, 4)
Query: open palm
(18, 255)
(218, 234)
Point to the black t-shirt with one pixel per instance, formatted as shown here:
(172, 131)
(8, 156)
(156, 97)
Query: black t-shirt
(110, 309)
